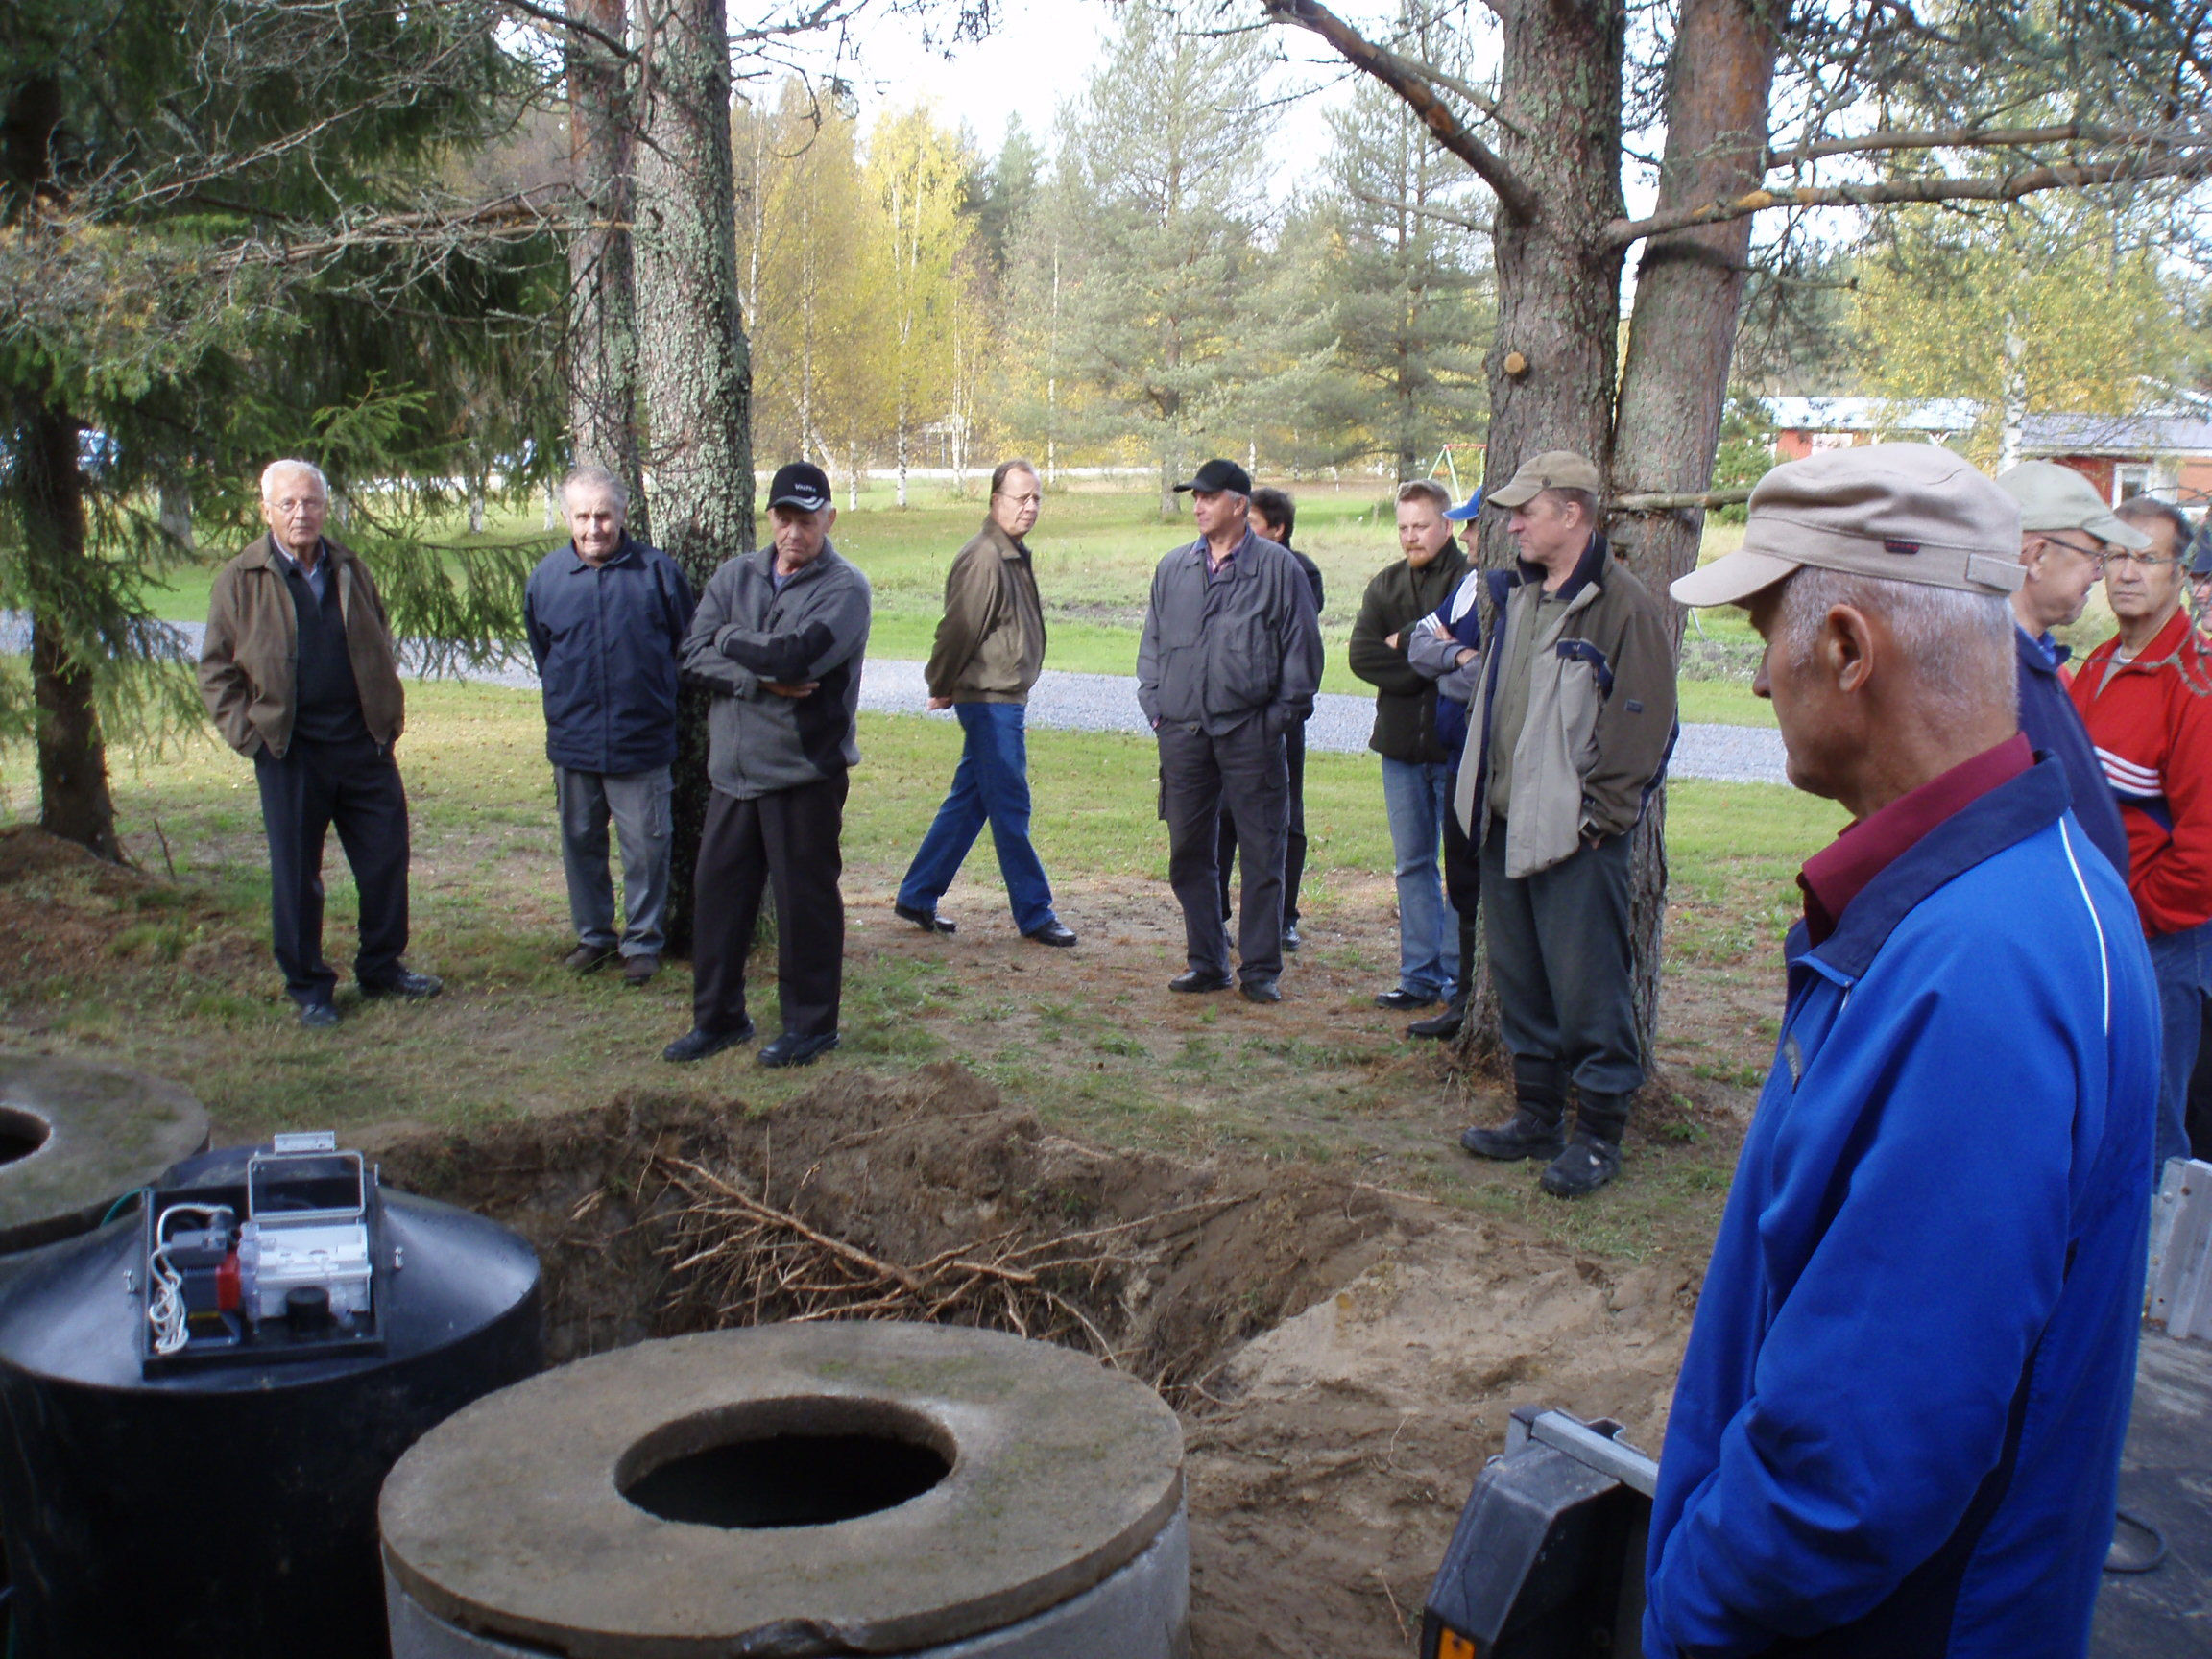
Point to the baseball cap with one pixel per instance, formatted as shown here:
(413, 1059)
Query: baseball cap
(801, 484)
(2055, 498)
(1218, 475)
(1554, 469)
(1903, 512)
(1466, 510)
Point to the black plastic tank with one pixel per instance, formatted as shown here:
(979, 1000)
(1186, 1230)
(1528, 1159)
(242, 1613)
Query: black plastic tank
(155, 1505)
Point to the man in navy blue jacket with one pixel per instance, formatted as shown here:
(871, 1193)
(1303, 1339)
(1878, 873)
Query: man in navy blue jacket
(2065, 531)
(1898, 1423)
(607, 616)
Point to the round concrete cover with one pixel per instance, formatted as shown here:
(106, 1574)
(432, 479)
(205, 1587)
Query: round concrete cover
(110, 1131)
(506, 1519)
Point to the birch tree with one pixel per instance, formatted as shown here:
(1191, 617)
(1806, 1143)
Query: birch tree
(917, 171)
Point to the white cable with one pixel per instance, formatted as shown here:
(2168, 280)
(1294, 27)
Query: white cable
(165, 1291)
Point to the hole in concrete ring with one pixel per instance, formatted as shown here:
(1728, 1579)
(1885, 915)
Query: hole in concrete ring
(806, 1462)
(21, 1133)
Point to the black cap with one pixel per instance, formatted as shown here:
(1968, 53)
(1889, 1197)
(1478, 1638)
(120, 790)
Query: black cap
(801, 484)
(2201, 552)
(1217, 475)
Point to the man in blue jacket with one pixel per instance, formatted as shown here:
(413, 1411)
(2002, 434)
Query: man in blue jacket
(606, 617)
(1898, 1423)
(2065, 532)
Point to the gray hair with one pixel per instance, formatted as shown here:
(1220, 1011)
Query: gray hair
(1425, 489)
(1568, 496)
(277, 469)
(596, 478)
(2145, 510)
(1961, 642)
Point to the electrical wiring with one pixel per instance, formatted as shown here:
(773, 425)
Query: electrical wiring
(166, 1308)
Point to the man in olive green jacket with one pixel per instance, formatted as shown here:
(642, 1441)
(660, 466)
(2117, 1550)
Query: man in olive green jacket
(990, 650)
(299, 673)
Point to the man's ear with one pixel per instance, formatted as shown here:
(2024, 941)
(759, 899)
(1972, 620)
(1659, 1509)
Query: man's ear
(1849, 647)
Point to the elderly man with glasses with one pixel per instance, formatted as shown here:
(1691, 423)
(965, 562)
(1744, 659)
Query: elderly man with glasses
(2066, 529)
(2146, 697)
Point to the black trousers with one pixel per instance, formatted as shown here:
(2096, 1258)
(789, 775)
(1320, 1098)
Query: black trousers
(1240, 776)
(1293, 840)
(789, 838)
(353, 786)
(1462, 863)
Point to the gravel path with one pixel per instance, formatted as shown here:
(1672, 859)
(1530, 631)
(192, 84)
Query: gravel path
(1108, 702)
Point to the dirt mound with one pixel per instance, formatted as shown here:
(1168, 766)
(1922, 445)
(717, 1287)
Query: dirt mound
(1175, 1262)
(1344, 1358)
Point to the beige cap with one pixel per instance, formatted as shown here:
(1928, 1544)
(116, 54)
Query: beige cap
(2055, 498)
(1554, 469)
(1905, 512)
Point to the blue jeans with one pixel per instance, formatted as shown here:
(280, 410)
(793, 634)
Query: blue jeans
(2183, 964)
(1417, 797)
(992, 785)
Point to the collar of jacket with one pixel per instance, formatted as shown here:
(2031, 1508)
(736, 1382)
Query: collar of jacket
(628, 549)
(266, 554)
(1009, 546)
(2008, 815)
(2040, 656)
(1197, 549)
(1589, 569)
(2172, 646)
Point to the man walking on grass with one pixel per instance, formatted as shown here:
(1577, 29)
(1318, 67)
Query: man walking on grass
(300, 674)
(990, 650)
(1227, 665)
(606, 617)
(2146, 697)
(777, 638)
(1414, 763)
(1898, 1425)
(1569, 732)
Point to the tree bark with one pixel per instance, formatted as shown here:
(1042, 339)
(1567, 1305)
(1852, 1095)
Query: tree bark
(74, 801)
(696, 366)
(1681, 338)
(602, 283)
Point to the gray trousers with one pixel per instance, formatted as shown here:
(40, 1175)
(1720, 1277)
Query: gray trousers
(638, 802)
(1561, 959)
(1240, 777)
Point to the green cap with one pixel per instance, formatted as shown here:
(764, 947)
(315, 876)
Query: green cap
(1554, 469)
(2055, 498)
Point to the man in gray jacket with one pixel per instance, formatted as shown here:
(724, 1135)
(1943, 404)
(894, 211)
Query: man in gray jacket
(1228, 663)
(777, 638)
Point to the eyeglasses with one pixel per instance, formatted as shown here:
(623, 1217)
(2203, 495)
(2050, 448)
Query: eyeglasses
(1023, 500)
(292, 507)
(2140, 561)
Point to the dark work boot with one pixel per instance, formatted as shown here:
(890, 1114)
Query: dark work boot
(1593, 1158)
(1446, 1025)
(1537, 1128)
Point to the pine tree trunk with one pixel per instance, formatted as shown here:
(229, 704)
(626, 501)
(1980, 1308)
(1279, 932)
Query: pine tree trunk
(696, 373)
(74, 802)
(602, 285)
(1682, 334)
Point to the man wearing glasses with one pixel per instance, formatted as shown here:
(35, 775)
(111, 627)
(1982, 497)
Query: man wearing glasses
(2065, 531)
(2146, 697)
(990, 650)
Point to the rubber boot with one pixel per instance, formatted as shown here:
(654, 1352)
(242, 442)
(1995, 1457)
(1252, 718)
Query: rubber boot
(1446, 1025)
(1592, 1157)
(1537, 1127)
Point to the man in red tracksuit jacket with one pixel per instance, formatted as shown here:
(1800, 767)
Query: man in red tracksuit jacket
(2146, 696)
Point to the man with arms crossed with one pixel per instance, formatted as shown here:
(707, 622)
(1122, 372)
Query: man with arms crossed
(297, 670)
(990, 650)
(777, 638)
(1898, 1423)
(606, 617)
(2146, 696)
(1227, 665)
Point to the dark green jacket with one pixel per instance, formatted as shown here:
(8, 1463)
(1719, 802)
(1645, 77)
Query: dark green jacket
(1405, 700)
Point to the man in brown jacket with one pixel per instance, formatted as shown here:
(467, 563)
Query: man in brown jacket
(990, 650)
(298, 672)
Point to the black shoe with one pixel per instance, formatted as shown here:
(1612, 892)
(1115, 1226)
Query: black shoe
(1524, 1136)
(697, 1044)
(587, 958)
(638, 970)
(1400, 1001)
(1442, 1026)
(317, 1016)
(414, 987)
(793, 1049)
(929, 921)
(1261, 991)
(1290, 939)
(1194, 982)
(1053, 932)
(1585, 1166)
